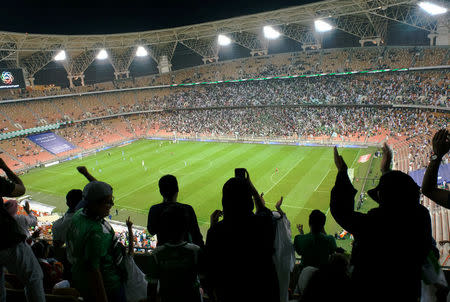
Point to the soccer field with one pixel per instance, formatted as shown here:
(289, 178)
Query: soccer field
(303, 175)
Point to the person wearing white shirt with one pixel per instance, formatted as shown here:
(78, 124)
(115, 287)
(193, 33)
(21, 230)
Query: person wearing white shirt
(25, 222)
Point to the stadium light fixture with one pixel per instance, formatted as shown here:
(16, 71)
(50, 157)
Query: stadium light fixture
(432, 8)
(270, 32)
(322, 26)
(141, 52)
(223, 40)
(60, 56)
(102, 54)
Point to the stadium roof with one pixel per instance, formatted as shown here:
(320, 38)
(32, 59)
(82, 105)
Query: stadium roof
(365, 19)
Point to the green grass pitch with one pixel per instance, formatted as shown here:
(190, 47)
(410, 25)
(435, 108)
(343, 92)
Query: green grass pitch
(304, 178)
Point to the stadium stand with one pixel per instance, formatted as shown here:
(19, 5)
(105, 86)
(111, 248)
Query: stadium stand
(342, 97)
(313, 61)
(226, 117)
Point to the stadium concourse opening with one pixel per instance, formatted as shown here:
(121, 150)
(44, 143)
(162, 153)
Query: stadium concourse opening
(261, 157)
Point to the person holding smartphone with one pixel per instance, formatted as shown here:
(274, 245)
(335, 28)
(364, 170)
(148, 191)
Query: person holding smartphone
(441, 146)
(239, 248)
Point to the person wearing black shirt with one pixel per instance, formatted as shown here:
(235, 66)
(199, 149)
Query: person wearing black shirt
(378, 254)
(239, 248)
(168, 187)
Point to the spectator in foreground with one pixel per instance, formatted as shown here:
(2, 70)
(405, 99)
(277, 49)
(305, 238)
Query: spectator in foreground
(316, 247)
(136, 284)
(53, 271)
(284, 256)
(168, 187)
(25, 222)
(380, 235)
(60, 226)
(441, 145)
(15, 254)
(93, 249)
(176, 264)
(239, 248)
(328, 283)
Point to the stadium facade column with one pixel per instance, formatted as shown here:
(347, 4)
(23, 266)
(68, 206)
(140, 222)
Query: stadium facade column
(164, 65)
(207, 60)
(311, 46)
(125, 73)
(376, 41)
(432, 38)
(258, 52)
(70, 78)
(443, 34)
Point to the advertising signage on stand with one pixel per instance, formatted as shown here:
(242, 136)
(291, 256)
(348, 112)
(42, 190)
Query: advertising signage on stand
(11, 78)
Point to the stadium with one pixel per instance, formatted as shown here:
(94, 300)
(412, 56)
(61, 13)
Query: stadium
(271, 92)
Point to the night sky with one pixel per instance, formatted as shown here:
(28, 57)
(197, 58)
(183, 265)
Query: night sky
(96, 17)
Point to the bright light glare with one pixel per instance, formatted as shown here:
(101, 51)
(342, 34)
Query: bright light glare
(322, 26)
(223, 40)
(270, 33)
(432, 9)
(102, 54)
(141, 52)
(60, 56)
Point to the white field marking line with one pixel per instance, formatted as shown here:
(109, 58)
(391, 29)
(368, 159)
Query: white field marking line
(329, 170)
(40, 189)
(328, 210)
(289, 206)
(137, 189)
(54, 172)
(353, 163)
(271, 177)
(140, 187)
(296, 164)
(162, 171)
(145, 211)
(323, 178)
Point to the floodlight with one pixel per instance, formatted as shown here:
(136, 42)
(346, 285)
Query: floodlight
(223, 40)
(141, 52)
(432, 9)
(60, 56)
(102, 54)
(270, 33)
(322, 26)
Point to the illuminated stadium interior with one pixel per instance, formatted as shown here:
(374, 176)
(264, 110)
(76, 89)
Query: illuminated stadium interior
(272, 92)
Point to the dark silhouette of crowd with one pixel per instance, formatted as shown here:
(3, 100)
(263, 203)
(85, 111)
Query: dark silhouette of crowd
(86, 259)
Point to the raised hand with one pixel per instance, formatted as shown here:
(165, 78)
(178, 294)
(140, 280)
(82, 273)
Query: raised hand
(339, 161)
(36, 233)
(385, 165)
(278, 205)
(300, 228)
(441, 142)
(129, 222)
(82, 169)
(27, 207)
(215, 217)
